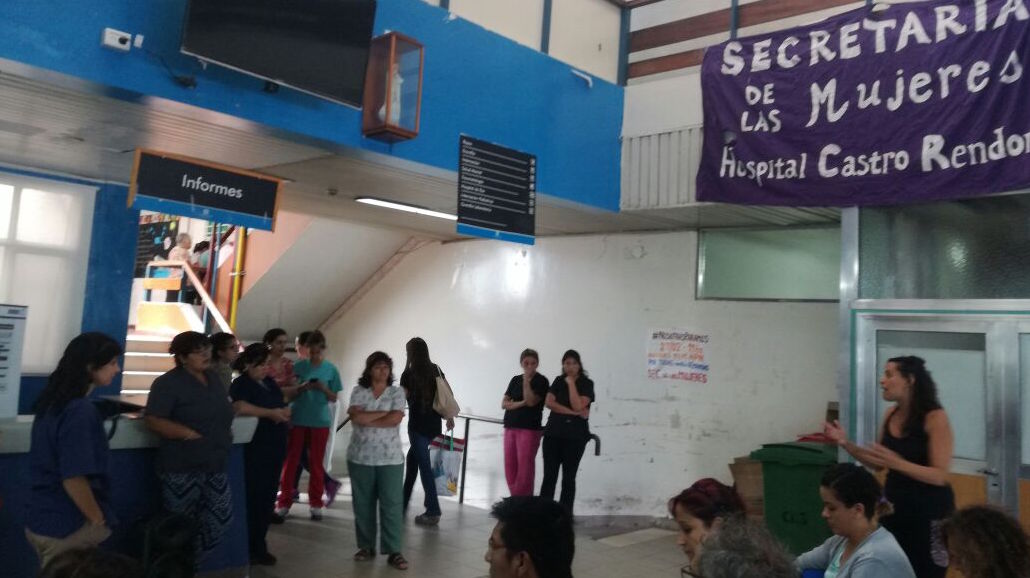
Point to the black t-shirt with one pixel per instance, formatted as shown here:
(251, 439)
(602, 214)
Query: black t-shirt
(526, 417)
(264, 394)
(569, 426)
(422, 418)
(180, 397)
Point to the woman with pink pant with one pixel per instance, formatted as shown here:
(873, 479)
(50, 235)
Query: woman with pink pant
(523, 417)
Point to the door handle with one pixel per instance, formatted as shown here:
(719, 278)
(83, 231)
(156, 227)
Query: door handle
(988, 471)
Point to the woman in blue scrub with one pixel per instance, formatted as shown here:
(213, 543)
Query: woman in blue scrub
(255, 393)
(68, 501)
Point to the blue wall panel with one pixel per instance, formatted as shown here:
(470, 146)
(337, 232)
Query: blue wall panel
(476, 82)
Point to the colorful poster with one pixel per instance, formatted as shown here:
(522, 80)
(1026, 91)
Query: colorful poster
(677, 354)
(893, 103)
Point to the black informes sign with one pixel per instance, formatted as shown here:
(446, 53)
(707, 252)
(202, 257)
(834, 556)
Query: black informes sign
(177, 185)
(496, 191)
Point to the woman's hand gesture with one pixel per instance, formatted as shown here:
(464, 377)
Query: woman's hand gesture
(835, 432)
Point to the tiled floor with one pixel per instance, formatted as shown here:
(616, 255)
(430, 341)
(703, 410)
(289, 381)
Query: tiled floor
(454, 549)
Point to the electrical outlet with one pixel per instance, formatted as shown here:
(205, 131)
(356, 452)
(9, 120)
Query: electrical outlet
(116, 40)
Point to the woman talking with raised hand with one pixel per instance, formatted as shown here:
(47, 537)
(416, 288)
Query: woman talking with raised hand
(915, 447)
(68, 504)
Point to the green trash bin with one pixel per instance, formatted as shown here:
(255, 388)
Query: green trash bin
(790, 477)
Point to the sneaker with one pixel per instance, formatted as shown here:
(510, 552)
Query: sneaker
(316, 514)
(275, 518)
(427, 520)
(265, 559)
(331, 488)
(280, 513)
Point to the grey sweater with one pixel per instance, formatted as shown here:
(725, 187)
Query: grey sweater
(878, 556)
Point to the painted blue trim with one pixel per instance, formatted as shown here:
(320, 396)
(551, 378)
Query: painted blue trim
(545, 32)
(201, 212)
(624, 21)
(497, 235)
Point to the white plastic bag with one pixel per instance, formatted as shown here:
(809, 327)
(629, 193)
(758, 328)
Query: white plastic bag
(445, 456)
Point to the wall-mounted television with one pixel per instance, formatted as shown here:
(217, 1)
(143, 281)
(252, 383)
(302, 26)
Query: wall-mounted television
(316, 46)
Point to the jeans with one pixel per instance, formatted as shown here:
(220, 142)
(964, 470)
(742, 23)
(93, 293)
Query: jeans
(418, 465)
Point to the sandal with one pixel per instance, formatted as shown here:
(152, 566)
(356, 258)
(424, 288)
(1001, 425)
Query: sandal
(397, 561)
(364, 555)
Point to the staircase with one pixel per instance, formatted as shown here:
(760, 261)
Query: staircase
(146, 357)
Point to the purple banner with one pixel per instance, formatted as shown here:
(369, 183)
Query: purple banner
(915, 102)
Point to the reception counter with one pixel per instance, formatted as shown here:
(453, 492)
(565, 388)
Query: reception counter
(135, 494)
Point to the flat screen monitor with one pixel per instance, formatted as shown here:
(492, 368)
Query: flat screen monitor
(316, 46)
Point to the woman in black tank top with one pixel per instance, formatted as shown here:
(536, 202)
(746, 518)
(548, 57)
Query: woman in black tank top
(915, 448)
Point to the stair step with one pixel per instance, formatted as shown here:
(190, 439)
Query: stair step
(139, 380)
(143, 361)
(147, 344)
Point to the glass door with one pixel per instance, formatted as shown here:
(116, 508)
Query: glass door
(966, 356)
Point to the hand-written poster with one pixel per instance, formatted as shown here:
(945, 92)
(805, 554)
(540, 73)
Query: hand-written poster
(677, 354)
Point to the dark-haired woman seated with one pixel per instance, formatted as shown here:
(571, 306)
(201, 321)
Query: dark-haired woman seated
(985, 542)
(68, 501)
(915, 447)
(189, 409)
(860, 548)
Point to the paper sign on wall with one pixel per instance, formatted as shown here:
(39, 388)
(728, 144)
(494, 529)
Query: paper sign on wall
(12, 337)
(677, 354)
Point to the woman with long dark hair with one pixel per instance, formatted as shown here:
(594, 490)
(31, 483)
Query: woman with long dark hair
(985, 542)
(254, 393)
(567, 431)
(189, 410)
(375, 461)
(68, 501)
(860, 547)
(915, 447)
(419, 383)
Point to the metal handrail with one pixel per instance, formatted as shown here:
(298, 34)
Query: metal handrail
(199, 287)
(469, 418)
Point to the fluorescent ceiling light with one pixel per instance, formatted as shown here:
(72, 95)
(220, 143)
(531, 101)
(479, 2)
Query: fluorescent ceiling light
(406, 208)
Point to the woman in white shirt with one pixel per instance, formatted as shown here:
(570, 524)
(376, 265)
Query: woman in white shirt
(375, 461)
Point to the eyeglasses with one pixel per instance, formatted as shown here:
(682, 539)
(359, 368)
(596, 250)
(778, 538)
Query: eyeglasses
(686, 572)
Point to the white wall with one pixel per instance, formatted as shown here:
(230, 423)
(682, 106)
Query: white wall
(312, 278)
(479, 303)
(520, 21)
(585, 34)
